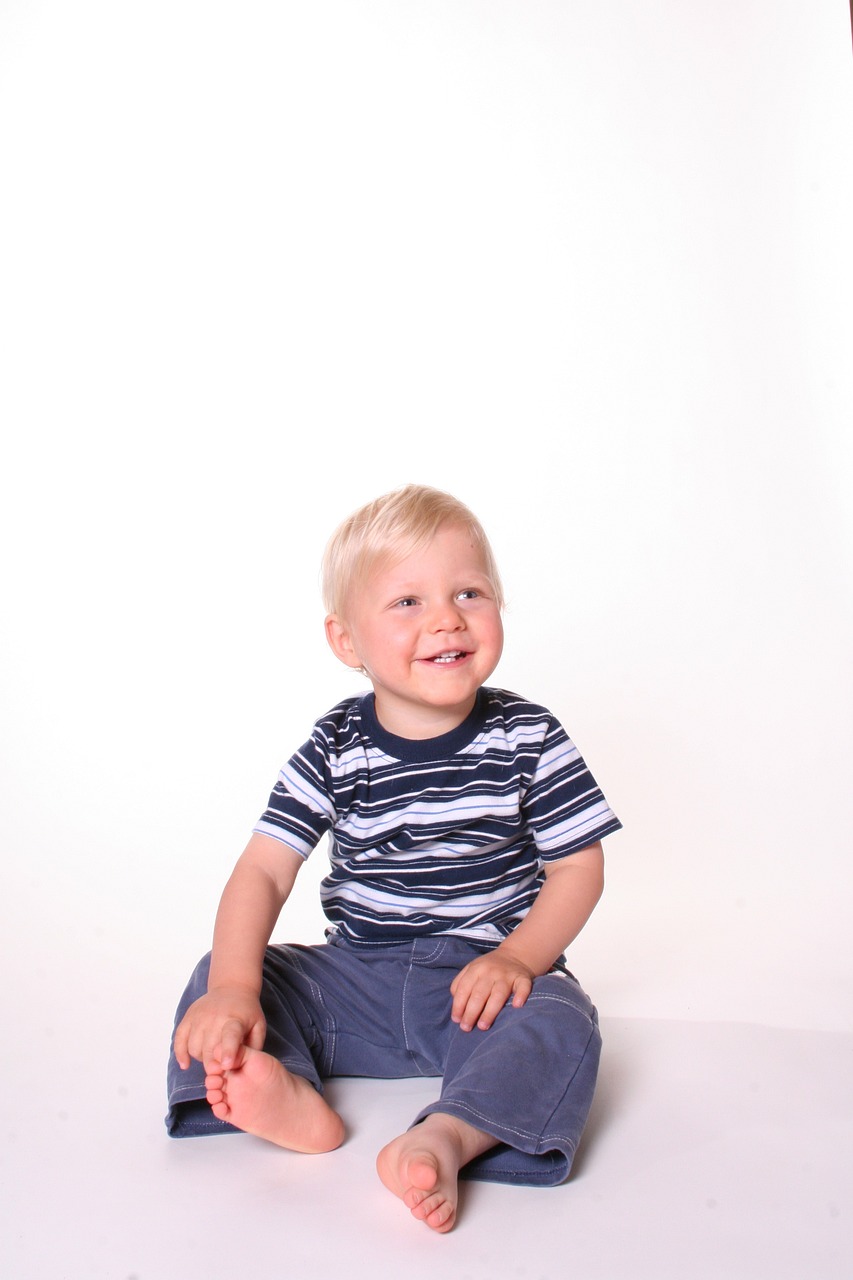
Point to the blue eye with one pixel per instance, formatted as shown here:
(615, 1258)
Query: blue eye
(407, 602)
(469, 594)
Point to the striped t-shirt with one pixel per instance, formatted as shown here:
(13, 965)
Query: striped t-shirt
(442, 836)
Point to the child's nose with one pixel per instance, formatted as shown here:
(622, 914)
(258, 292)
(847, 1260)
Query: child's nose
(445, 616)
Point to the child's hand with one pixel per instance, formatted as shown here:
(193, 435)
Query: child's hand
(482, 988)
(218, 1026)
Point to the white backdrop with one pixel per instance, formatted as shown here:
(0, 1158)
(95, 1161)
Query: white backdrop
(586, 265)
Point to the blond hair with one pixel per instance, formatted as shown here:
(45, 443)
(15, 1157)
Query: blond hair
(388, 530)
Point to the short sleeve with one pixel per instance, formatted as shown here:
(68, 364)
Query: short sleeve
(564, 806)
(300, 809)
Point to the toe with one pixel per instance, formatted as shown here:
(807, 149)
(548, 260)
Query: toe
(442, 1217)
(431, 1206)
(414, 1197)
(422, 1172)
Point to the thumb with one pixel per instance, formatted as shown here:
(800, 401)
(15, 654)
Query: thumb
(230, 1048)
(257, 1034)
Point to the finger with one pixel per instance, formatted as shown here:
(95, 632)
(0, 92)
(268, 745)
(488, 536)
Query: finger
(492, 1007)
(521, 989)
(460, 980)
(468, 1018)
(195, 1044)
(182, 1057)
(257, 1035)
(229, 1044)
(462, 997)
(491, 996)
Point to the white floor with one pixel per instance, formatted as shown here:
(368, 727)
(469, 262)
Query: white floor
(713, 1150)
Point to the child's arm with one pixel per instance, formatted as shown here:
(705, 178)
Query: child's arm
(564, 904)
(216, 1027)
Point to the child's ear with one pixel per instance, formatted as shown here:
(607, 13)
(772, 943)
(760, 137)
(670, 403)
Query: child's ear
(340, 641)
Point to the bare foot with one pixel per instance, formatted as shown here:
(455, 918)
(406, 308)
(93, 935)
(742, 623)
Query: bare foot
(422, 1166)
(262, 1097)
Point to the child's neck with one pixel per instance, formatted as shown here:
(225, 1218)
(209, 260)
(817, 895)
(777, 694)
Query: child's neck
(418, 723)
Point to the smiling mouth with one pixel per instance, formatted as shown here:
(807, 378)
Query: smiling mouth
(444, 659)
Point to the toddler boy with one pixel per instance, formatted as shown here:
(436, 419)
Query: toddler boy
(465, 856)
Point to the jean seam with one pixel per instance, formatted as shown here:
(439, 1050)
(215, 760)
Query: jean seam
(330, 1031)
(578, 1008)
(440, 945)
(411, 1052)
(546, 1136)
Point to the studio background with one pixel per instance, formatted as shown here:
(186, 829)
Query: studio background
(589, 268)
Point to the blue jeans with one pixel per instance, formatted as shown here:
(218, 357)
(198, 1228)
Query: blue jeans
(340, 1010)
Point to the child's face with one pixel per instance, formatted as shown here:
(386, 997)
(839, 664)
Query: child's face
(428, 632)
